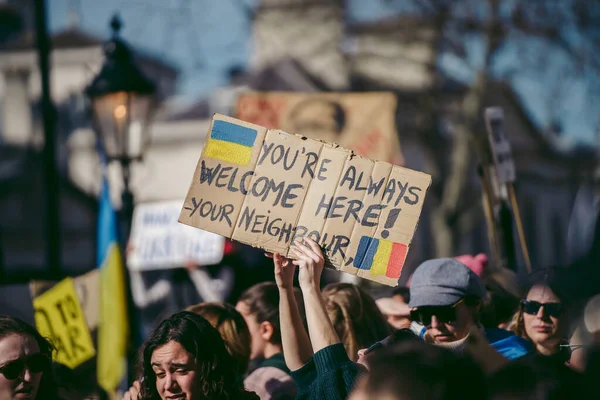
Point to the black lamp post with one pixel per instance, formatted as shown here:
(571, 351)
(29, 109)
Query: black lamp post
(123, 101)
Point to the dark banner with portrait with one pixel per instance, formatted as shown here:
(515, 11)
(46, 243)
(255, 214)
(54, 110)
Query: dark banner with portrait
(362, 122)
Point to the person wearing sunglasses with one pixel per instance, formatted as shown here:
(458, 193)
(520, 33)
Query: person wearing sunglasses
(542, 319)
(25, 362)
(446, 297)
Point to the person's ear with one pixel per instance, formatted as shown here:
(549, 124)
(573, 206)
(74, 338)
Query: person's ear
(266, 330)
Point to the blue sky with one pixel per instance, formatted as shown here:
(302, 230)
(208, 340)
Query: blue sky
(202, 37)
(205, 38)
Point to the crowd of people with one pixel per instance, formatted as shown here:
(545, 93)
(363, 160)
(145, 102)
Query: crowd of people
(458, 331)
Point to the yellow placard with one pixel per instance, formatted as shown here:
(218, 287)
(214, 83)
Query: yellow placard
(59, 317)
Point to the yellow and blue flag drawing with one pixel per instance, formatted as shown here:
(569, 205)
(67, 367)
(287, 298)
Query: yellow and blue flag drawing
(113, 329)
(230, 142)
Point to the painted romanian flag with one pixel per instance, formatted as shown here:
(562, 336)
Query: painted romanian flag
(230, 142)
(381, 257)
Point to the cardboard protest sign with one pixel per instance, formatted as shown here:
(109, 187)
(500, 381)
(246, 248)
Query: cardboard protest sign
(87, 287)
(158, 241)
(58, 315)
(500, 145)
(266, 187)
(362, 122)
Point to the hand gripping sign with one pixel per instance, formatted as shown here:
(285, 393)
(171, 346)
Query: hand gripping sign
(265, 187)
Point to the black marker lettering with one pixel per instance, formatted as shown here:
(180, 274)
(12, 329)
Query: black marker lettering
(322, 169)
(265, 152)
(262, 179)
(227, 209)
(231, 186)
(323, 205)
(286, 164)
(276, 158)
(358, 187)
(390, 189)
(196, 205)
(402, 191)
(314, 235)
(286, 230)
(288, 195)
(350, 176)
(412, 190)
(223, 174)
(246, 217)
(373, 212)
(309, 166)
(271, 187)
(274, 230)
(335, 205)
(354, 206)
(299, 232)
(375, 187)
(204, 211)
(73, 336)
(60, 307)
(208, 174)
(243, 182)
(257, 223)
(339, 244)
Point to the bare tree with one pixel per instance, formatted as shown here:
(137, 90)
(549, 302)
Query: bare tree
(552, 40)
(558, 41)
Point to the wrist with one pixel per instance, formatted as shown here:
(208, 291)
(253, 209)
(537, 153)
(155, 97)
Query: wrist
(285, 288)
(310, 288)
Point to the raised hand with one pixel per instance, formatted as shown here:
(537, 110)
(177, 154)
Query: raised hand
(284, 271)
(310, 260)
(134, 392)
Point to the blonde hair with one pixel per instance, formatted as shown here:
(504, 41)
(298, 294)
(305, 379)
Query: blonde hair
(355, 317)
(517, 324)
(232, 328)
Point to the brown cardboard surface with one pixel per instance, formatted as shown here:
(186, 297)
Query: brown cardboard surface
(88, 292)
(362, 122)
(267, 187)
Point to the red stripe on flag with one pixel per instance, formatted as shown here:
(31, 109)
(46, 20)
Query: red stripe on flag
(396, 262)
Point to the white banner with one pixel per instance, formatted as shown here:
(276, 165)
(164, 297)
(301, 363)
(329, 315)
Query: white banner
(159, 241)
(500, 145)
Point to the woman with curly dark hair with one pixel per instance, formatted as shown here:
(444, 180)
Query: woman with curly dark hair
(25, 362)
(185, 358)
(233, 329)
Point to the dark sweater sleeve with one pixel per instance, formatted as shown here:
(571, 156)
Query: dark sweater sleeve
(304, 378)
(330, 375)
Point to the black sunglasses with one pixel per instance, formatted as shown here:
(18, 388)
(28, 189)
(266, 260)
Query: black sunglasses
(36, 363)
(444, 314)
(533, 307)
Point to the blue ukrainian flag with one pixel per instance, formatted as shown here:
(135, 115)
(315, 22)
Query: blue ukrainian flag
(230, 142)
(113, 329)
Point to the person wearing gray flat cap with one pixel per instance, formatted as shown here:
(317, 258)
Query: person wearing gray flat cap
(446, 297)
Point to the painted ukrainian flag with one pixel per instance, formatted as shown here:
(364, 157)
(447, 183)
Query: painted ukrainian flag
(381, 257)
(113, 330)
(230, 142)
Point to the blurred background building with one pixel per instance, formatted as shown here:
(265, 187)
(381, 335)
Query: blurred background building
(202, 54)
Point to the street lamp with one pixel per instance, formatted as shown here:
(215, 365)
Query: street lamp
(122, 100)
